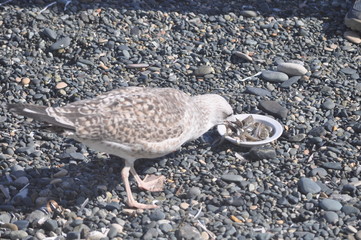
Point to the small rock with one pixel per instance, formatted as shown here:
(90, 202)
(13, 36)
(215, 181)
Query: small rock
(318, 172)
(352, 37)
(243, 56)
(259, 153)
(187, 232)
(61, 85)
(194, 192)
(94, 235)
(332, 165)
(258, 91)
(331, 217)
(348, 70)
(328, 104)
(231, 178)
(297, 137)
(137, 65)
(50, 225)
(157, 215)
(63, 42)
(358, 235)
(62, 173)
(349, 210)
(25, 81)
(273, 76)
(306, 185)
(203, 70)
(76, 235)
(248, 13)
(20, 234)
(50, 33)
(273, 108)
(292, 69)
(165, 227)
(330, 205)
(22, 224)
(290, 82)
(184, 205)
(11, 226)
(317, 131)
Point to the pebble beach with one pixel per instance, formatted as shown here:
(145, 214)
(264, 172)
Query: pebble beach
(294, 61)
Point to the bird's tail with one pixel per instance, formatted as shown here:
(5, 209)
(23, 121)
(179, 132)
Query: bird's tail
(36, 112)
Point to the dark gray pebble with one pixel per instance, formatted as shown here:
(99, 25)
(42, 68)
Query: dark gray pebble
(248, 13)
(328, 104)
(259, 153)
(50, 225)
(330, 205)
(290, 82)
(194, 192)
(22, 224)
(63, 42)
(273, 108)
(317, 131)
(332, 165)
(187, 232)
(157, 215)
(350, 210)
(297, 138)
(258, 91)
(231, 178)
(50, 33)
(165, 227)
(113, 206)
(19, 234)
(318, 172)
(150, 234)
(73, 235)
(331, 217)
(273, 76)
(306, 185)
(348, 70)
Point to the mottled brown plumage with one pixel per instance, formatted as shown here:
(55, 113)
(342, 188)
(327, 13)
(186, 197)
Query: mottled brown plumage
(135, 123)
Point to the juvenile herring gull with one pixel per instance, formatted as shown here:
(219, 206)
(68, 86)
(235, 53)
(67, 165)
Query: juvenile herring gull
(134, 123)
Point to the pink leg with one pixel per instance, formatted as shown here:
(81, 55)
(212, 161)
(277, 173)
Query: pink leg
(131, 201)
(150, 183)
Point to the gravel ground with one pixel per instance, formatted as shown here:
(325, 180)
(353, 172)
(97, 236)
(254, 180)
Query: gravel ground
(304, 186)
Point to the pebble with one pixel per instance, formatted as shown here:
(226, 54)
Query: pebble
(328, 104)
(297, 138)
(20, 234)
(62, 43)
(292, 69)
(350, 210)
(259, 153)
(352, 37)
(306, 185)
(332, 165)
(273, 76)
(243, 56)
(137, 65)
(194, 192)
(187, 232)
(50, 33)
(232, 178)
(348, 70)
(61, 85)
(288, 83)
(248, 13)
(331, 217)
(330, 205)
(319, 172)
(25, 81)
(157, 215)
(274, 108)
(258, 91)
(61, 173)
(203, 70)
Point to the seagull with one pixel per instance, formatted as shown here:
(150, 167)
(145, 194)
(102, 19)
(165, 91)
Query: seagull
(135, 123)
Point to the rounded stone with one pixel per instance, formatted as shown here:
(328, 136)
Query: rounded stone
(292, 69)
(306, 185)
(330, 205)
(331, 217)
(273, 76)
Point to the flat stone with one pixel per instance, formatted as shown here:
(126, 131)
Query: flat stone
(273, 76)
(306, 185)
(288, 83)
(50, 33)
(231, 178)
(194, 192)
(249, 13)
(352, 37)
(292, 69)
(187, 232)
(61, 173)
(273, 108)
(297, 138)
(61, 85)
(348, 70)
(157, 215)
(330, 205)
(243, 56)
(332, 165)
(259, 153)
(63, 42)
(20, 234)
(258, 91)
(319, 172)
(203, 70)
(350, 210)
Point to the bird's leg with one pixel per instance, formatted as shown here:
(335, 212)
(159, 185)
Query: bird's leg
(131, 201)
(150, 183)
